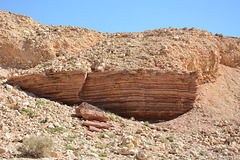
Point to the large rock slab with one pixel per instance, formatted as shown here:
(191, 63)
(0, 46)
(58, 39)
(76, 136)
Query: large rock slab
(143, 94)
(61, 86)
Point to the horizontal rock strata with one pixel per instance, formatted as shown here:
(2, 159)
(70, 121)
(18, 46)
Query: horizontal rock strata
(62, 86)
(142, 94)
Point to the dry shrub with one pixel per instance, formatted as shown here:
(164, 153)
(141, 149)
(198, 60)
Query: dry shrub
(36, 147)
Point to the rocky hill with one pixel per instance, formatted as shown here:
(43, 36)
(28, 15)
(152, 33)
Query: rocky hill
(188, 69)
(24, 43)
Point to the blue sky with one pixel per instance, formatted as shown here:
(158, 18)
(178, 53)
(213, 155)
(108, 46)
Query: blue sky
(216, 16)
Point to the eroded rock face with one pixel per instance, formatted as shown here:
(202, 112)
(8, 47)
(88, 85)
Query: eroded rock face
(143, 94)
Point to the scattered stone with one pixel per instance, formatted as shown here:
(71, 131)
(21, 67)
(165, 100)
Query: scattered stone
(129, 142)
(55, 154)
(94, 129)
(2, 150)
(139, 131)
(90, 134)
(56, 124)
(97, 124)
(127, 151)
(152, 126)
(141, 155)
(51, 126)
(93, 154)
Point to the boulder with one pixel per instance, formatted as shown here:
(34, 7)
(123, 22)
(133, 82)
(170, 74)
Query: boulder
(90, 112)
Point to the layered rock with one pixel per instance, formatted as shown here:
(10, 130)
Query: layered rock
(143, 94)
(62, 86)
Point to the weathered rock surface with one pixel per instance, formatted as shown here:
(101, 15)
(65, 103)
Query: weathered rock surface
(143, 94)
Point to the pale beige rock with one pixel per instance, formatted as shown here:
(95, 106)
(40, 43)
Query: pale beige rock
(127, 151)
(129, 142)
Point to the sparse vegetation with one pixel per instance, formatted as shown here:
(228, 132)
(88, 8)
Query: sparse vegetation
(92, 151)
(40, 103)
(82, 143)
(103, 155)
(163, 140)
(43, 121)
(112, 118)
(68, 147)
(101, 136)
(202, 153)
(121, 146)
(108, 146)
(36, 147)
(77, 151)
(148, 143)
(29, 113)
(146, 123)
(172, 137)
(112, 135)
(71, 138)
(100, 145)
(52, 130)
(118, 118)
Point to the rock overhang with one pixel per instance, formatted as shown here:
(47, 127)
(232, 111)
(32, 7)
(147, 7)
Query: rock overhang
(143, 94)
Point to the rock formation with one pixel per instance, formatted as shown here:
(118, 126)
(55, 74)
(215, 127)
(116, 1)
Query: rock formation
(142, 94)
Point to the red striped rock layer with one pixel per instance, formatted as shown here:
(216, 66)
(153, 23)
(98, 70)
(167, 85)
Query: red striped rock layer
(144, 94)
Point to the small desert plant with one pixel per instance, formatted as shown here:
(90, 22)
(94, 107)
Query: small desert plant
(112, 118)
(146, 123)
(103, 155)
(43, 121)
(148, 143)
(68, 147)
(172, 137)
(202, 153)
(52, 130)
(121, 146)
(36, 147)
(163, 140)
(101, 136)
(40, 103)
(30, 113)
(71, 138)
(112, 135)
